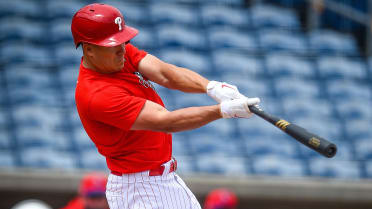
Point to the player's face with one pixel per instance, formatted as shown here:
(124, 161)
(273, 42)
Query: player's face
(107, 59)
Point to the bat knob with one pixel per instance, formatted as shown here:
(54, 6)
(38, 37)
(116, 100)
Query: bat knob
(331, 150)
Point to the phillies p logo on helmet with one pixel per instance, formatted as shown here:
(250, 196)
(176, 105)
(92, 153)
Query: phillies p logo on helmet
(118, 21)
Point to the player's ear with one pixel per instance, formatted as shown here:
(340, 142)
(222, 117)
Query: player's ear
(87, 49)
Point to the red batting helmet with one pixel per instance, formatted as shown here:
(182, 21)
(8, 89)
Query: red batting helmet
(102, 25)
(93, 185)
(221, 199)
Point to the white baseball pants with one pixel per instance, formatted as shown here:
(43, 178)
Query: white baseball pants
(139, 190)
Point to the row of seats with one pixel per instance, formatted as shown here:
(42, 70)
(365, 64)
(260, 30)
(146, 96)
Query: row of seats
(23, 36)
(260, 49)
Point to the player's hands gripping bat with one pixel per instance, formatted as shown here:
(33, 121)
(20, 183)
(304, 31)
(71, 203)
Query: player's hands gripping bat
(221, 91)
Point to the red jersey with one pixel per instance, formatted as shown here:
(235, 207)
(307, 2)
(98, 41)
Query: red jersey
(108, 105)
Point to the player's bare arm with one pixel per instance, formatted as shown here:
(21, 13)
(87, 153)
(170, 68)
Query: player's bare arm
(183, 79)
(171, 76)
(154, 117)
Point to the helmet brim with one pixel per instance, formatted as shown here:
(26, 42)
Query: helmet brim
(121, 37)
(118, 38)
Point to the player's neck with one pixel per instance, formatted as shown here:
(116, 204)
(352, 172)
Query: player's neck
(88, 65)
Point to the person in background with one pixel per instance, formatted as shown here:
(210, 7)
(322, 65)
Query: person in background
(91, 193)
(221, 199)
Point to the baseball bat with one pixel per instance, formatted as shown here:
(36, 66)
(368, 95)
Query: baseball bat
(311, 140)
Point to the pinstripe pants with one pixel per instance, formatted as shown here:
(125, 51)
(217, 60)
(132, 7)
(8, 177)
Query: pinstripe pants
(139, 190)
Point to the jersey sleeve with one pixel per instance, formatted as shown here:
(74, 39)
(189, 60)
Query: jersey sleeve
(134, 55)
(115, 107)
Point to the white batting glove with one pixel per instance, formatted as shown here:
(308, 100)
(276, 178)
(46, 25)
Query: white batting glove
(222, 91)
(238, 108)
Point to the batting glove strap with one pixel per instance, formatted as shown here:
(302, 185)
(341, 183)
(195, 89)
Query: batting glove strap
(222, 91)
(238, 108)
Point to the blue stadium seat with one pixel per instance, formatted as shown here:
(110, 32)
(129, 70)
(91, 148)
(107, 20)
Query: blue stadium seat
(22, 52)
(270, 144)
(341, 68)
(34, 96)
(198, 62)
(250, 87)
(36, 157)
(180, 144)
(24, 76)
(358, 129)
(221, 165)
(192, 100)
(91, 159)
(221, 127)
(5, 137)
(331, 42)
(229, 37)
(145, 38)
(295, 108)
(82, 139)
(75, 120)
(185, 164)
(363, 148)
(7, 159)
(266, 16)
(208, 143)
(63, 9)
(24, 8)
(167, 95)
(176, 35)
(60, 31)
(174, 14)
(341, 90)
(28, 85)
(133, 11)
(68, 75)
(272, 105)
(369, 168)
(355, 109)
(256, 127)
(21, 29)
(287, 65)
(222, 15)
(334, 168)
(289, 3)
(278, 166)
(66, 54)
(239, 3)
(296, 88)
(231, 62)
(36, 116)
(282, 40)
(177, 1)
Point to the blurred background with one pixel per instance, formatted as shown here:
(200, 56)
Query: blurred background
(310, 61)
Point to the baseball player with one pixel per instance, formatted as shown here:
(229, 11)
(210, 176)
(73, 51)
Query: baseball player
(91, 193)
(221, 198)
(126, 119)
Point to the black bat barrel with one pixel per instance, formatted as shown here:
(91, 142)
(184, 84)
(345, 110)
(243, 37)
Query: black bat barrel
(312, 141)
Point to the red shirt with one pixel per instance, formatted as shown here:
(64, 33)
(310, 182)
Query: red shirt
(76, 203)
(108, 105)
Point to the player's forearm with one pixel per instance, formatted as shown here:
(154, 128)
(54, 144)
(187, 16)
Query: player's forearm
(189, 118)
(184, 80)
